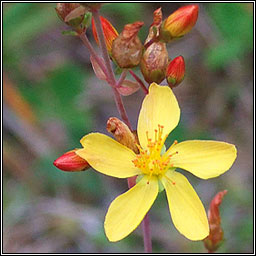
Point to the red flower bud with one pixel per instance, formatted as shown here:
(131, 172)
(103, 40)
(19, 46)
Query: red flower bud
(110, 33)
(71, 13)
(175, 71)
(127, 47)
(179, 23)
(71, 162)
(215, 238)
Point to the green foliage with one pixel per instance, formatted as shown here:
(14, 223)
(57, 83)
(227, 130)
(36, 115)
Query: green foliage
(235, 24)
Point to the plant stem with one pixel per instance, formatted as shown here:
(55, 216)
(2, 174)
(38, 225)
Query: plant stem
(88, 45)
(147, 234)
(142, 85)
(111, 80)
(121, 78)
(103, 47)
(119, 103)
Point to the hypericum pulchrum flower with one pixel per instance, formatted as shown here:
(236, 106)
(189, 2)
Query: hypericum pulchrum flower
(159, 115)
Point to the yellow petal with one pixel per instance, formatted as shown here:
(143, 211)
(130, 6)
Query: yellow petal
(128, 210)
(159, 107)
(187, 211)
(108, 156)
(205, 159)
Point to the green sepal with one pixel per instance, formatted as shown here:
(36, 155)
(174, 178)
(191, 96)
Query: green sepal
(87, 19)
(69, 33)
(160, 186)
(139, 177)
(163, 150)
(118, 70)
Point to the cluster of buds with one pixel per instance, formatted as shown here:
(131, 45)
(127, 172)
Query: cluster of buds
(126, 49)
(215, 238)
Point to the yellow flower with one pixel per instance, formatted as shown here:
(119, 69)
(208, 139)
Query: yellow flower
(159, 115)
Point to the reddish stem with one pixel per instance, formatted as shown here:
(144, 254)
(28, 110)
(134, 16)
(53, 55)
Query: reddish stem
(112, 80)
(147, 234)
(142, 85)
(88, 45)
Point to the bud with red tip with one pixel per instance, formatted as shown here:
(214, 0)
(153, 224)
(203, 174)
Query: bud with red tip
(110, 33)
(215, 238)
(71, 13)
(71, 162)
(179, 23)
(175, 71)
(127, 47)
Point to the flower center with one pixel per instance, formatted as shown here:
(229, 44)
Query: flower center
(151, 161)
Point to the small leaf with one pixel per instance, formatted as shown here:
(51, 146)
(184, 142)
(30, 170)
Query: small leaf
(75, 13)
(97, 69)
(69, 33)
(128, 87)
(87, 19)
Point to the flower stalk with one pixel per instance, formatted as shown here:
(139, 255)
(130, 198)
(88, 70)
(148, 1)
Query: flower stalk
(120, 106)
(111, 77)
(142, 85)
(147, 234)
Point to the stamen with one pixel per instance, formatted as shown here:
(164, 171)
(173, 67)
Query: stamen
(150, 160)
(173, 182)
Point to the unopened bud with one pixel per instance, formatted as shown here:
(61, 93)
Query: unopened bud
(215, 238)
(71, 162)
(154, 62)
(175, 71)
(71, 13)
(127, 47)
(110, 33)
(179, 23)
(122, 133)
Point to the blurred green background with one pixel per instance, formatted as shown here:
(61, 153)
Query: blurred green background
(52, 98)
